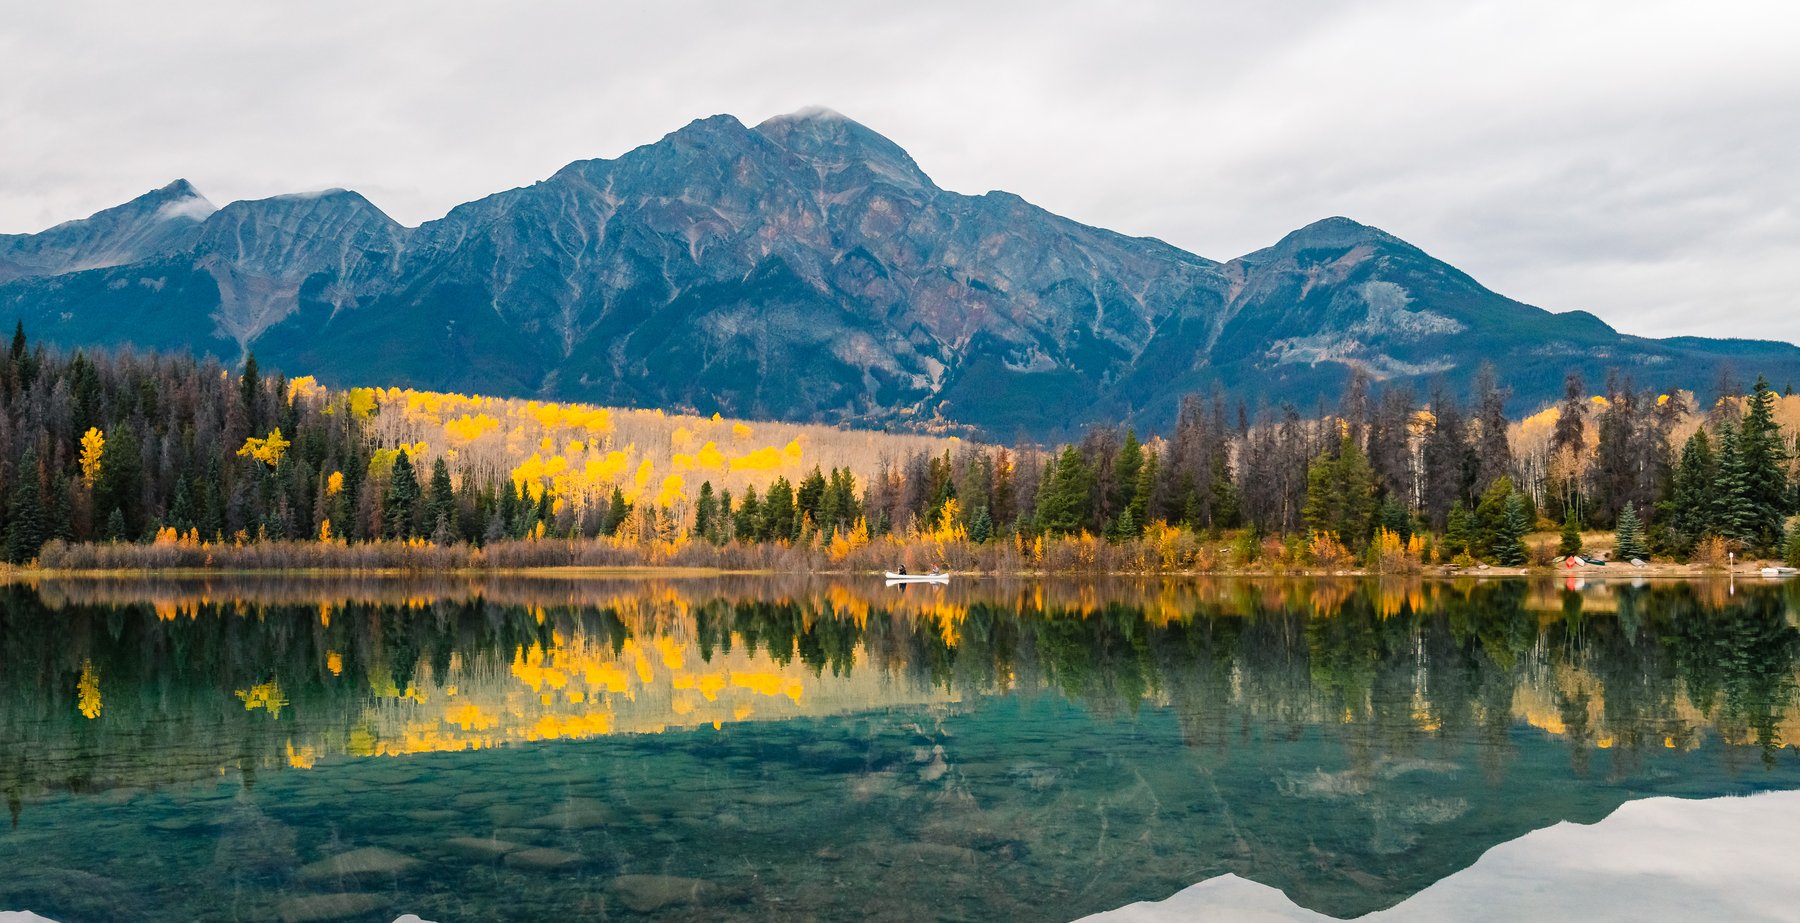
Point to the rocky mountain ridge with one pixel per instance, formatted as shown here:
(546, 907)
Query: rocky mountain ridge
(805, 269)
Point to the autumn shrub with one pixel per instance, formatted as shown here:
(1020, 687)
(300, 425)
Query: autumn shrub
(1711, 552)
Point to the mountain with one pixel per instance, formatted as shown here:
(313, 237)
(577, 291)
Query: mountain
(804, 269)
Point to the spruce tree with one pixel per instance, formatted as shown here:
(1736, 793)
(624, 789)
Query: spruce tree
(1629, 542)
(1571, 535)
(440, 507)
(400, 505)
(1515, 523)
(1128, 463)
(982, 528)
(616, 511)
(1733, 513)
(1792, 551)
(1692, 498)
(1065, 502)
(779, 512)
(706, 509)
(1765, 477)
(26, 529)
(1456, 530)
(748, 524)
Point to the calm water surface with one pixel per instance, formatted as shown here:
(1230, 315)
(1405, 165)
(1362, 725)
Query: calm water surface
(738, 748)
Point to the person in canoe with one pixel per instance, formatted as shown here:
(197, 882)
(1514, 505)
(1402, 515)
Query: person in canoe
(901, 571)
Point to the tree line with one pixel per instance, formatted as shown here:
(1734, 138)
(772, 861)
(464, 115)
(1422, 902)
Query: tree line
(119, 447)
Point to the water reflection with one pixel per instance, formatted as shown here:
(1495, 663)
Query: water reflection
(1024, 750)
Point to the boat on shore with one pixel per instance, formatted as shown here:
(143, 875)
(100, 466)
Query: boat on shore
(1780, 571)
(895, 579)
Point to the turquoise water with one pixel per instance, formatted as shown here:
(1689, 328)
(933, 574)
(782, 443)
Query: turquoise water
(817, 750)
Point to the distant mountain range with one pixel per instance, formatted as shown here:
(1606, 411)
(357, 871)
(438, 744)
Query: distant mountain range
(804, 269)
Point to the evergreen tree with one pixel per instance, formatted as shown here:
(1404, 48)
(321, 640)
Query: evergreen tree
(1128, 463)
(1487, 528)
(1765, 476)
(400, 505)
(1340, 494)
(1065, 501)
(748, 524)
(1733, 513)
(26, 528)
(616, 511)
(1693, 501)
(441, 505)
(115, 526)
(982, 528)
(1515, 523)
(1791, 553)
(1629, 541)
(1571, 535)
(1457, 529)
(706, 510)
(121, 482)
(1127, 527)
(778, 510)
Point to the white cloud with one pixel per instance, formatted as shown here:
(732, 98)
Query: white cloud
(194, 208)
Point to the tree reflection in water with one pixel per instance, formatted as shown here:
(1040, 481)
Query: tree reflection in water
(1288, 698)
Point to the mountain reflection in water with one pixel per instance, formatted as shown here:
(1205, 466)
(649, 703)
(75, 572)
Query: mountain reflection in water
(756, 747)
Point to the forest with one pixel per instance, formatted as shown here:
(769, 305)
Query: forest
(116, 459)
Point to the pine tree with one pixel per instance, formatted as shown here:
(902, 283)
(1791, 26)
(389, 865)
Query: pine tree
(440, 508)
(1128, 463)
(115, 526)
(748, 524)
(1765, 477)
(1340, 494)
(1792, 551)
(1629, 541)
(616, 511)
(1571, 535)
(1065, 502)
(1509, 542)
(400, 505)
(1127, 527)
(26, 529)
(706, 509)
(1456, 530)
(1692, 500)
(1733, 514)
(779, 512)
(982, 528)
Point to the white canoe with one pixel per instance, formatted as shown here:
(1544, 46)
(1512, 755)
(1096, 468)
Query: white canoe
(893, 578)
(1779, 571)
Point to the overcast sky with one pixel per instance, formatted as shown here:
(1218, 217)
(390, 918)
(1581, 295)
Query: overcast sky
(1640, 160)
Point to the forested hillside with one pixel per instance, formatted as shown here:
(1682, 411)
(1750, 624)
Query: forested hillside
(101, 453)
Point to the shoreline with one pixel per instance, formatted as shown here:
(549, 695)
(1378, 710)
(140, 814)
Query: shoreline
(18, 574)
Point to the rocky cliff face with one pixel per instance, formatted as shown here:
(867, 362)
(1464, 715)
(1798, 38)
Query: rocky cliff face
(805, 268)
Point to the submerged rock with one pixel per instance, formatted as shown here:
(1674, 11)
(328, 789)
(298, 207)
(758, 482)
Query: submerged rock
(314, 907)
(475, 847)
(543, 859)
(370, 860)
(646, 893)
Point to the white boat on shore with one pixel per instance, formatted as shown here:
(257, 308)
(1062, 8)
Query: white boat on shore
(894, 579)
(1780, 571)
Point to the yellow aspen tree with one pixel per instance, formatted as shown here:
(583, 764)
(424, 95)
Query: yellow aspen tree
(93, 446)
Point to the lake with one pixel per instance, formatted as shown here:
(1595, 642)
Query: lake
(753, 748)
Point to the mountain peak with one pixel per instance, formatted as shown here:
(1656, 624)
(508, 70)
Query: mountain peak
(837, 143)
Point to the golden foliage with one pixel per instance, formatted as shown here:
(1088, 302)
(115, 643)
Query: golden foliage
(93, 446)
(334, 483)
(87, 692)
(267, 450)
(1326, 551)
(266, 696)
